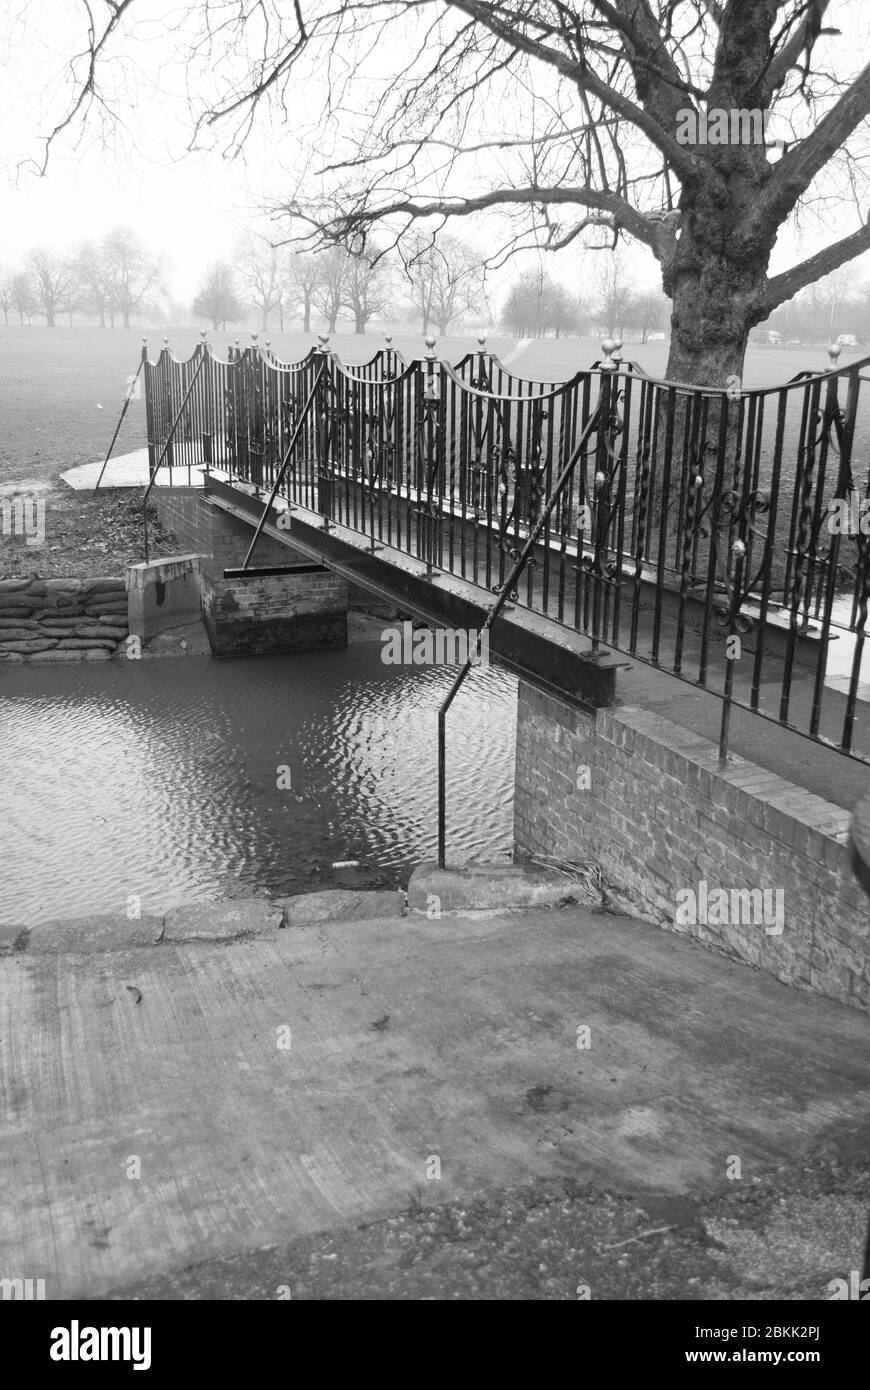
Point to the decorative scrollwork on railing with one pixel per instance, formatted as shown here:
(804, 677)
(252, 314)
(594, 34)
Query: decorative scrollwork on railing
(738, 513)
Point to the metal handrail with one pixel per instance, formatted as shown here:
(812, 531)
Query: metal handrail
(507, 589)
(279, 477)
(169, 438)
(124, 410)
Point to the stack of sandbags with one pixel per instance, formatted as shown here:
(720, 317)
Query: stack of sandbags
(57, 620)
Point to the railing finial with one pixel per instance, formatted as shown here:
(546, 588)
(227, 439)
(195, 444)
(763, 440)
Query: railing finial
(481, 341)
(388, 338)
(834, 351)
(609, 347)
(431, 340)
(254, 337)
(323, 342)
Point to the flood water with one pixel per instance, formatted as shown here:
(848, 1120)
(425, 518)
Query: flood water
(159, 778)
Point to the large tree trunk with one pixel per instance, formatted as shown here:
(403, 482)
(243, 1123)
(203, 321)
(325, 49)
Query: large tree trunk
(359, 323)
(49, 318)
(709, 330)
(306, 319)
(714, 277)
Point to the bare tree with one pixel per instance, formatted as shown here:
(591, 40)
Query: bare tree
(22, 298)
(330, 292)
(300, 282)
(651, 312)
(261, 277)
(595, 115)
(446, 281)
(217, 300)
(6, 293)
(536, 306)
(366, 290)
(133, 274)
(53, 283)
(93, 275)
(615, 293)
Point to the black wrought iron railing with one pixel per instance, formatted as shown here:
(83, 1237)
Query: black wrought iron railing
(717, 535)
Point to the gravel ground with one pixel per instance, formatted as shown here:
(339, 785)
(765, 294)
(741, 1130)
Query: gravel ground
(781, 1236)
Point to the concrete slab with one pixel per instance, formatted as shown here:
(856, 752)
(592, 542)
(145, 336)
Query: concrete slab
(127, 470)
(223, 921)
(341, 905)
(483, 887)
(103, 932)
(164, 1106)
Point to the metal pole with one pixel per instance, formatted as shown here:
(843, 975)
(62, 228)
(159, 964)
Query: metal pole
(499, 604)
(126, 407)
(280, 474)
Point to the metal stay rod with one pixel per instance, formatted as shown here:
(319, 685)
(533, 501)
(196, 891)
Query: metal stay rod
(165, 448)
(124, 410)
(509, 583)
(279, 477)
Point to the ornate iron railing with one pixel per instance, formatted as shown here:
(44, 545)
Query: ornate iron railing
(694, 531)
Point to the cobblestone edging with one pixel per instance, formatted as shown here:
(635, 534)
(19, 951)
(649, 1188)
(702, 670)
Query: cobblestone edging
(60, 620)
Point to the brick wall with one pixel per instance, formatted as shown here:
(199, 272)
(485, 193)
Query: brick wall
(297, 611)
(302, 610)
(203, 528)
(660, 817)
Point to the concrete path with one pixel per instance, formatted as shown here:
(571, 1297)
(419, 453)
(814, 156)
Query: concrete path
(164, 1104)
(128, 470)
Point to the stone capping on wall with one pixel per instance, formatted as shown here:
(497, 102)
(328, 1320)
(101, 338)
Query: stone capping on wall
(659, 816)
(763, 798)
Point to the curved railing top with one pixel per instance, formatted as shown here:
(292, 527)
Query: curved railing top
(547, 392)
(380, 369)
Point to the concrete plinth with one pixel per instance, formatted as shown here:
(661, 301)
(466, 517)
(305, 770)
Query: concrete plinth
(163, 594)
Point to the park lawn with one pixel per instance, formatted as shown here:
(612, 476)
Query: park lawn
(62, 389)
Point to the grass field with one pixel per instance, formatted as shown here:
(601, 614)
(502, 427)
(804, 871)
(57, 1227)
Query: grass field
(61, 390)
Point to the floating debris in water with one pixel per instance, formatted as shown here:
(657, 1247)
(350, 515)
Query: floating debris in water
(346, 864)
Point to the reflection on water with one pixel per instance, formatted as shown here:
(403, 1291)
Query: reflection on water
(160, 778)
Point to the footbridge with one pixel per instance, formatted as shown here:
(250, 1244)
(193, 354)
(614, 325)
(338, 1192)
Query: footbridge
(714, 534)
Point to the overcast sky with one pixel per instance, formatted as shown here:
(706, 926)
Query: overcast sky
(194, 205)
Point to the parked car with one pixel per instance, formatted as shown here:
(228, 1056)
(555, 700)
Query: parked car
(848, 340)
(655, 337)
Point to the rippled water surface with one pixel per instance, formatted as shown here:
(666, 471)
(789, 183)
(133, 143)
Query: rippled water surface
(159, 778)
